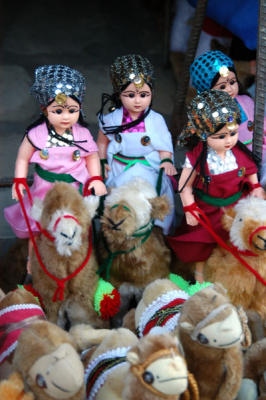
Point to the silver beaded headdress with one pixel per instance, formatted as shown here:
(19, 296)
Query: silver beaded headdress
(131, 69)
(57, 82)
(207, 113)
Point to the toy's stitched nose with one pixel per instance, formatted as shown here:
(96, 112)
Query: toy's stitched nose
(115, 225)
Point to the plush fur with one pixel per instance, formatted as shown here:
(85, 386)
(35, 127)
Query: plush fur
(65, 255)
(242, 286)
(122, 384)
(127, 209)
(255, 366)
(212, 348)
(46, 365)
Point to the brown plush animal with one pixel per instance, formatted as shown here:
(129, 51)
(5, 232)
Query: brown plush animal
(64, 266)
(211, 332)
(132, 251)
(254, 372)
(123, 367)
(46, 366)
(246, 223)
(18, 310)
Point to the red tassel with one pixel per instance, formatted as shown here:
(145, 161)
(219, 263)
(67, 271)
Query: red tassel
(110, 304)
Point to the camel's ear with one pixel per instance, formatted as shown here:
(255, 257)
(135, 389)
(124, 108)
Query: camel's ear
(228, 218)
(133, 358)
(160, 207)
(37, 209)
(92, 203)
(186, 326)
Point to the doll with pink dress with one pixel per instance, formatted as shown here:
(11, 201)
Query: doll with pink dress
(133, 139)
(215, 70)
(58, 143)
(217, 172)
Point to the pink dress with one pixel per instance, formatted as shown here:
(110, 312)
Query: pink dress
(60, 161)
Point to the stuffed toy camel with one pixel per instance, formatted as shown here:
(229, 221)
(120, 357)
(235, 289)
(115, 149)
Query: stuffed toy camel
(254, 383)
(211, 332)
(123, 367)
(18, 310)
(132, 251)
(64, 266)
(46, 366)
(246, 223)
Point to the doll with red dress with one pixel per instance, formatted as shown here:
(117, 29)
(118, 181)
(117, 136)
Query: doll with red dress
(133, 139)
(218, 171)
(58, 143)
(215, 70)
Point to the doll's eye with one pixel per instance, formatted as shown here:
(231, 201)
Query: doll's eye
(131, 95)
(232, 82)
(143, 95)
(222, 136)
(40, 381)
(73, 110)
(233, 133)
(58, 111)
(222, 87)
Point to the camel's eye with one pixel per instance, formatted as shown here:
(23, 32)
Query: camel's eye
(148, 377)
(40, 381)
(240, 220)
(202, 338)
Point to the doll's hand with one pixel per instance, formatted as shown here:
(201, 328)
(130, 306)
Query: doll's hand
(21, 188)
(99, 188)
(169, 168)
(190, 219)
(259, 192)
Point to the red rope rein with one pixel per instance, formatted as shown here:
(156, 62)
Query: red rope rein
(205, 222)
(59, 292)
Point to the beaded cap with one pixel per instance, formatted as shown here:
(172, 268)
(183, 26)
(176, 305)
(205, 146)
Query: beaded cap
(208, 112)
(130, 68)
(206, 66)
(56, 82)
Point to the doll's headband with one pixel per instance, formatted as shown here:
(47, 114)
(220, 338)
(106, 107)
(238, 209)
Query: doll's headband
(207, 113)
(57, 82)
(130, 69)
(207, 66)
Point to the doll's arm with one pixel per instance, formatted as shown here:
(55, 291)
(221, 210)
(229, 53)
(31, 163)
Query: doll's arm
(94, 169)
(257, 190)
(168, 166)
(22, 164)
(186, 195)
(102, 143)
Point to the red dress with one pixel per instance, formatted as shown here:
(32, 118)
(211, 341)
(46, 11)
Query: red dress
(195, 243)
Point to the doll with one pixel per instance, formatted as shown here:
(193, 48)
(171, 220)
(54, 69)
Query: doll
(133, 139)
(215, 70)
(217, 172)
(59, 143)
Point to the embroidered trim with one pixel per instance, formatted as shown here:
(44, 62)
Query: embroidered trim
(119, 352)
(16, 307)
(157, 305)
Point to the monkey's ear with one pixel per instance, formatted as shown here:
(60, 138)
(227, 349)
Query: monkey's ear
(186, 326)
(133, 358)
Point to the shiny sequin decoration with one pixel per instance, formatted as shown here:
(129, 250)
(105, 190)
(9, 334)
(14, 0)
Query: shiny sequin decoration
(241, 171)
(224, 71)
(118, 138)
(61, 98)
(250, 126)
(76, 155)
(44, 154)
(145, 140)
(200, 106)
(139, 81)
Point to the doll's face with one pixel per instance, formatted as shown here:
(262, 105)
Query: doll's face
(136, 100)
(223, 140)
(228, 84)
(63, 116)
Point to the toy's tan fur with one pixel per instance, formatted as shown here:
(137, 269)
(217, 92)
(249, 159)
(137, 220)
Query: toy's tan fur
(218, 371)
(82, 287)
(242, 286)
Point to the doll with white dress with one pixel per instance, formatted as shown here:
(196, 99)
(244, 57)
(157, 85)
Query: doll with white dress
(215, 70)
(133, 139)
(58, 143)
(218, 171)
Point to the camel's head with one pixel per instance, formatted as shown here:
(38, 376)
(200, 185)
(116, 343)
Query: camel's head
(246, 223)
(66, 216)
(130, 209)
